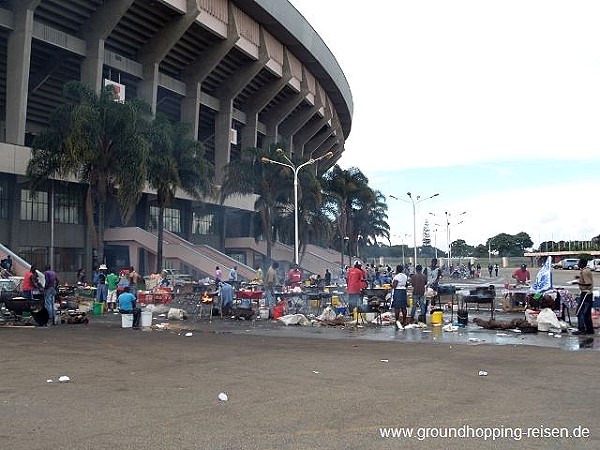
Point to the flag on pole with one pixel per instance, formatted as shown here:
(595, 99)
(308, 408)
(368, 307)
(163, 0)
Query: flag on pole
(543, 280)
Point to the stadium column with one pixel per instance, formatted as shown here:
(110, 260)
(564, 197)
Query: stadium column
(319, 138)
(260, 100)
(294, 123)
(155, 50)
(18, 62)
(324, 147)
(195, 73)
(307, 131)
(96, 30)
(226, 93)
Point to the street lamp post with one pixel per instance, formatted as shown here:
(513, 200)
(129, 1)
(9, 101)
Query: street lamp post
(403, 236)
(295, 169)
(448, 215)
(415, 201)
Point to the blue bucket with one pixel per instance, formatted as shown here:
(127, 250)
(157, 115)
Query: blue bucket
(341, 310)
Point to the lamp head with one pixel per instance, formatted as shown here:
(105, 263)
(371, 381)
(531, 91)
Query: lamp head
(265, 160)
(280, 151)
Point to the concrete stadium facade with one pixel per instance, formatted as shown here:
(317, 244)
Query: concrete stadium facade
(243, 73)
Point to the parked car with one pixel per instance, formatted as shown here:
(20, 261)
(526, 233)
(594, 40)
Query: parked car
(594, 264)
(568, 264)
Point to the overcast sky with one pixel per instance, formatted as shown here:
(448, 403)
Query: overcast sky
(495, 105)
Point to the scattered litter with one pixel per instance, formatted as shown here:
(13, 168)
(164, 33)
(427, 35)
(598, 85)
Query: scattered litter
(161, 325)
(162, 315)
(516, 330)
(426, 331)
(410, 326)
(472, 339)
(188, 334)
(501, 334)
(64, 379)
(49, 380)
(294, 319)
(176, 314)
(384, 360)
(316, 371)
(557, 335)
(450, 327)
(550, 334)
(223, 397)
(482, 373)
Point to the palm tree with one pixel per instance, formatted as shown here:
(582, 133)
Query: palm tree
(175, 162)
(249, 175)
(347, 191)
(100, 142)
(371, 221)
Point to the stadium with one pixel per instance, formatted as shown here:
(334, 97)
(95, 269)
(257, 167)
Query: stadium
(243, 73)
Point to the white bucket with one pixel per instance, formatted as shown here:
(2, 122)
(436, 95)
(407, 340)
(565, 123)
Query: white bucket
(126, 320)
(146, 318)
(263, 312)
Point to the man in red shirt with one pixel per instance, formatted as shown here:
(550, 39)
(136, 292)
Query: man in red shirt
(356, 280)
(522, 275)
(294, 276)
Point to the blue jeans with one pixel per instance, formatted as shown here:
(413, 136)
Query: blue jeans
(269, 298)
(49, 295)
(422, 301)
(354, 301)
(584, 313)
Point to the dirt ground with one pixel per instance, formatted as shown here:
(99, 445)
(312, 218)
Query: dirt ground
(159, 390)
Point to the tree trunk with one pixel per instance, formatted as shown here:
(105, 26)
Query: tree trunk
(101, 210)
(159, 243)
(92, 237)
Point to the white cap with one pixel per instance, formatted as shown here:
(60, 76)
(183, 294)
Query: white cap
(102, 267)
(358, 262)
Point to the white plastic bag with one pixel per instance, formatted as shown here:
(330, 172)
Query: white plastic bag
(547, 319)
(176, 314)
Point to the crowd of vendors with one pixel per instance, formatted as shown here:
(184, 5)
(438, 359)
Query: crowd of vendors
(408, 293)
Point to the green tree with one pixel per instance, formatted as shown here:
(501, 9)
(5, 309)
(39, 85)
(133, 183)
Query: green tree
(461, 249)
(100, 142)
(175, 162)
(346, 191)
(269, 182)
(510, 245)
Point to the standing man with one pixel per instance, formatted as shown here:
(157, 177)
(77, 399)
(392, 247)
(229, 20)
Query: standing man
(218, 275)
(294, 276)
(433, 278)
(496, 269)
(134, 279)
(327, 277)
(50, 292)
(101, 287)
(233, 276)
(258, 274)
(586, 299)
(399, 298)
(490, 269)
(112, 282)
(418, 281)
(127, 306)
(271, 281)
(356, 281)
